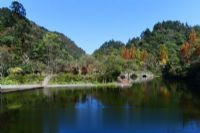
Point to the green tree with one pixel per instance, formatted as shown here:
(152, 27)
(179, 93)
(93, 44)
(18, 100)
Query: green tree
(6, 18)
(51, 44)
(5, 59)
(18, 8)
(56, 55)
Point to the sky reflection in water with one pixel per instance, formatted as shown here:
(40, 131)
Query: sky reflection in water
(152, 107)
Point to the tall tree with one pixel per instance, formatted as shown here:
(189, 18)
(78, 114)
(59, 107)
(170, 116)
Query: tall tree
(18, 8)
(144, 55)
(56, 54)
(22, 33)
(51, 43)
(5, 59)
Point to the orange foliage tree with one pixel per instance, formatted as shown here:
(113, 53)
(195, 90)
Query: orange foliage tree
(126, 54)
(133, 53)
(192, 37)
(185, 49)
(190, 49)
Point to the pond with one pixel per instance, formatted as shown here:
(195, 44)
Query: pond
(155, 107)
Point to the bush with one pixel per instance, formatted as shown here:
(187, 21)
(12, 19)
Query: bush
(71, 78)
(15, 70)
(20, 79)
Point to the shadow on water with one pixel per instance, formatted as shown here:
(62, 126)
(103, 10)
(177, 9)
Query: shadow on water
(154, 106)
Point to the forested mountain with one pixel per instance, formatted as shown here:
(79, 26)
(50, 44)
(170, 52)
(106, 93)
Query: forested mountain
(24, 43)
(171, 48)
(109, 47)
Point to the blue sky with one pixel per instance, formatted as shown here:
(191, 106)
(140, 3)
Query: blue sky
(92, 22)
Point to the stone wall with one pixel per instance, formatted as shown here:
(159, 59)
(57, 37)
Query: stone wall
(135, 77)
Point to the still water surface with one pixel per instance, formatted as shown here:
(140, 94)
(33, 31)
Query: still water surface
(155, 107)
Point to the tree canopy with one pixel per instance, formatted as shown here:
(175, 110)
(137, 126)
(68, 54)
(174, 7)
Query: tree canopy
(24, 43)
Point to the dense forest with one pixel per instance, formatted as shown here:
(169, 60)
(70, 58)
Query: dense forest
(170, 49)
(26, 45)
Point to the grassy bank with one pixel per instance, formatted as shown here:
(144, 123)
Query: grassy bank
(22, 79)
(73, 79)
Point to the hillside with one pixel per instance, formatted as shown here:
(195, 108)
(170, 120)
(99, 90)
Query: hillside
(109, 47)
(23, 43)
(171, 48)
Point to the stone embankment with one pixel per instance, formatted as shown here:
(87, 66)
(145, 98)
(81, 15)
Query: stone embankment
(124, 81)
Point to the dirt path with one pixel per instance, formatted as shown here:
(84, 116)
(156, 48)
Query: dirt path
(46, 80)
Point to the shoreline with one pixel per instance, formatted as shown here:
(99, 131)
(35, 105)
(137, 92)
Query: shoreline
(46, 85)
(19, 88)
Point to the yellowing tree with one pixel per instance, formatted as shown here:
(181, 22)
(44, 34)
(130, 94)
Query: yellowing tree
(163, 55)
(132, 52)
(144, 55)
(137, 54)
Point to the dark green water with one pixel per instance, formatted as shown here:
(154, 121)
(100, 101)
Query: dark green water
(150, 107)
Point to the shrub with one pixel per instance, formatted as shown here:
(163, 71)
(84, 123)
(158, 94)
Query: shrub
(15, 70)
(20, 79)
(71, 78)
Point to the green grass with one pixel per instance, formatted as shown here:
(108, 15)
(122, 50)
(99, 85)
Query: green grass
(15, 106)
(73, 79)
(21, 79)
(100, 85)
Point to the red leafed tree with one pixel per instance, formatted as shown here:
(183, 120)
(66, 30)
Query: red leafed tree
(185, 52)
(126, 53)
(185, 49)
(192, 37)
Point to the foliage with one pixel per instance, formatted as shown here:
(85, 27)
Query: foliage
(113, 66)
(22, 79)
(171, 47)
(188, 57)
(109, 48)
(22, 43)
(52, 51)
(63, 78)
(15, 70)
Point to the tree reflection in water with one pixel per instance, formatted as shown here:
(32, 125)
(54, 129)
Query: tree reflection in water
(61, 108)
